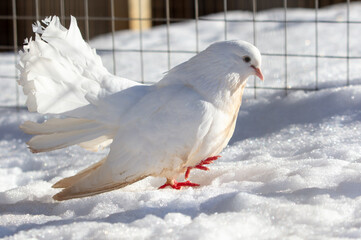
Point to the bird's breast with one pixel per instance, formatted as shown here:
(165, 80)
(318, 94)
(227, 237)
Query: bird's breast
(221, 129)
(219, 133)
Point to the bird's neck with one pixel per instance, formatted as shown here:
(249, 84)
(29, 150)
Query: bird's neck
(229, 98)
(215, 81)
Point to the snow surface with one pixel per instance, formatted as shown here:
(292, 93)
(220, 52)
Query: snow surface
(291, 171)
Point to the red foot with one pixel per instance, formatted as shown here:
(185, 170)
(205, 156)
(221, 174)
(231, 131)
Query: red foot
(178, 185)
(200, 165)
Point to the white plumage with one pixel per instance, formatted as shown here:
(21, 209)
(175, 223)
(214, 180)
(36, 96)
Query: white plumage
(153, 130)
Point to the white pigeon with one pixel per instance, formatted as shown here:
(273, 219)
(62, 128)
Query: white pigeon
(165, 129)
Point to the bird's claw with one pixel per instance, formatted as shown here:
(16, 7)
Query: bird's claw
(201, 165)
(179, 185)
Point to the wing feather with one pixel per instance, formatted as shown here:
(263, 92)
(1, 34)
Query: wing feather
(155, 138)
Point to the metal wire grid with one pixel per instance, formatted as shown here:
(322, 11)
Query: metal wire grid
(198, 18)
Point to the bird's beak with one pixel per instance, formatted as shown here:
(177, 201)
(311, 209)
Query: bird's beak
(258, 72)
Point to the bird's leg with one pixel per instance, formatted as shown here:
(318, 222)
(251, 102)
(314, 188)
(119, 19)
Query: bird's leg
(178, 185)
(171, 183)
(201, 165)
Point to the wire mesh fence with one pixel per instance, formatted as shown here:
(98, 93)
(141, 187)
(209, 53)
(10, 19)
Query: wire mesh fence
(284, 55)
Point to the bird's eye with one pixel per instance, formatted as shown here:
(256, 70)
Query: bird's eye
(246, 59)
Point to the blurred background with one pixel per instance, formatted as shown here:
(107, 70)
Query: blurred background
(142, 39)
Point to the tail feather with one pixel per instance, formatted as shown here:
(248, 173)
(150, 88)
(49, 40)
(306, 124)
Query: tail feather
(54, 69)
(60, 72)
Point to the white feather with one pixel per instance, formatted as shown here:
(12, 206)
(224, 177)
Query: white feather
(59, 71)
(154, 130)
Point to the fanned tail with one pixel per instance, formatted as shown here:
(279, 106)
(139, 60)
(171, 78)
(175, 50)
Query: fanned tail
(53, 69)
(60, 72)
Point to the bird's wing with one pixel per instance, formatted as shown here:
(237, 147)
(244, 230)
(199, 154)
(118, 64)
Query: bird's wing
(155, 138)
(92, 126)
(60, 72)
(163, 129)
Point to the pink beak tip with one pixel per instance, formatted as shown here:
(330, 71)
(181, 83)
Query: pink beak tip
(258, 73)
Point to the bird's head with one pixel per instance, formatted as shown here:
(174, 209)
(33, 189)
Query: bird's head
(219, 70)
(237, 56)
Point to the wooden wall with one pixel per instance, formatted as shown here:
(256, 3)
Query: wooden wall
(101, 10)
(26, 15)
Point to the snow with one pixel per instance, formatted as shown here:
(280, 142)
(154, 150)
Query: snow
(291, 171)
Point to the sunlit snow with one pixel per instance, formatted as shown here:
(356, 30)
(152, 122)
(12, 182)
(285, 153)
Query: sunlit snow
(291, 171)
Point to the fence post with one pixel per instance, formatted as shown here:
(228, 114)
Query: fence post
(140, 13)
(15, 42)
